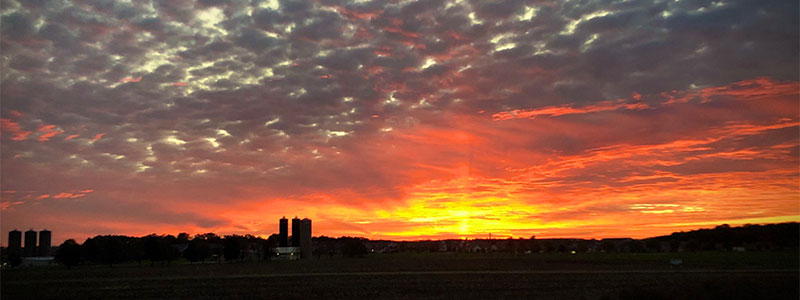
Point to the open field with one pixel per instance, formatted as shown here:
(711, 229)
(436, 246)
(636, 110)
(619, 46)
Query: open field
(753, 275)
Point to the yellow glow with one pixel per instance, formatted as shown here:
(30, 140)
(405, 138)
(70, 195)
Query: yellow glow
(428, 62)
(474, 20)
(213, 142)
(529, 14)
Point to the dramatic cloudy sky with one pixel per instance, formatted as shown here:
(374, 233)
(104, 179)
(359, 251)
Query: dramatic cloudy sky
(398, 119)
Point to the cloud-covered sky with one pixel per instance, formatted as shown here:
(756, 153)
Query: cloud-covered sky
(398, 119)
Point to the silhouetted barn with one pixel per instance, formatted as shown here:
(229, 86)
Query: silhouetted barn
(15, 239)
(30, 243)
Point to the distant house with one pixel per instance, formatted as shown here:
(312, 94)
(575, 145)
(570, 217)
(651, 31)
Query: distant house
(381, 246)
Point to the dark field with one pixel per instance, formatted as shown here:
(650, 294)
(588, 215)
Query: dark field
(717, 275)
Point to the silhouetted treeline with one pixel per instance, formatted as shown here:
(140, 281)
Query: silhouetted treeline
(208, 247)
(723, 237)
(720, 238)
(164, 249)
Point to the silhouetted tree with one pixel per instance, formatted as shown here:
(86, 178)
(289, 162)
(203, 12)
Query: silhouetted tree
(104, 249)
(69, 253)
(159, 248)
(272, 241)
(134, 250)
(353, 247)
(232, 247)
(14, 256)
(183, 237)
(197, 250)
(209, 237)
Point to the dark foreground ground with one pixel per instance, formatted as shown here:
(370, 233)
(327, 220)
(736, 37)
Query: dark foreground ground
(763, 275)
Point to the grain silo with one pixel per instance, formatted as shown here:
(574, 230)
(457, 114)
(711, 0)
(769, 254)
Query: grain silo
(283, 238)
(305, 238)
(295, 232)
(15, 239)
(30, 243)
(44, 242)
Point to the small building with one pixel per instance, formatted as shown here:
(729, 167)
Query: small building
(285, 253)
(38, 261)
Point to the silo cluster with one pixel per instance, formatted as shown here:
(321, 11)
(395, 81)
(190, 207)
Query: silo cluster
(31, 247)
(300, 240)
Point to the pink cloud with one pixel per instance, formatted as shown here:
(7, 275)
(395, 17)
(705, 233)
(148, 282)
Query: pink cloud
(97, 137)
(131, 79)
(72, 194)
(8, 204)
(47, 132)
(13, 128)
(555, 111)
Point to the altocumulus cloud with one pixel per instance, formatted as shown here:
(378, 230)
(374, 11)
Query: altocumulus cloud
(224, 115)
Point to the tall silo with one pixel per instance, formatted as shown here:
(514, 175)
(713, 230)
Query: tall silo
(305, 238)
(30, 243)
(283, 238)
(295, 232)
(15, 239)
(44, 242)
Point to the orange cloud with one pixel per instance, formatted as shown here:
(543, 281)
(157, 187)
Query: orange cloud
(752, 90)
(13, 128)
(555, 111)
(407, 34)
(72, 194)
(97, 137)
(5, 205)
(48, 132)
(353, 15)
(557, 177)
(131, 79)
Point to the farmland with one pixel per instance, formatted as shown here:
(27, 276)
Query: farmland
(703, 275)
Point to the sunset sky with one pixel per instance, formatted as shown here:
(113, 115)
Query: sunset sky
(398, 119)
